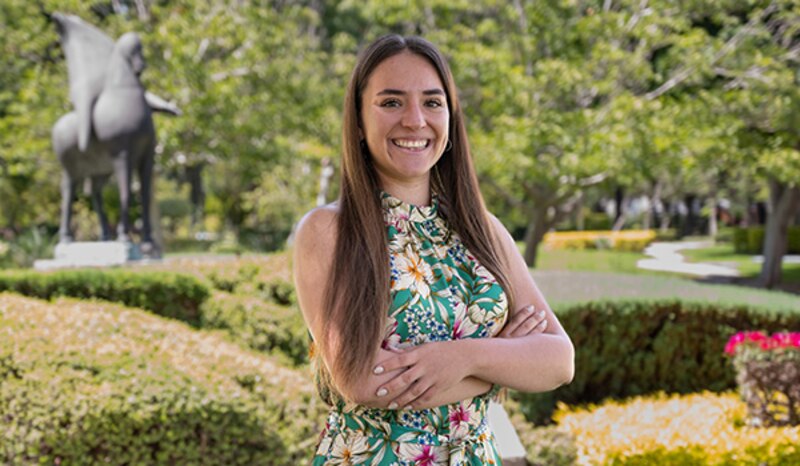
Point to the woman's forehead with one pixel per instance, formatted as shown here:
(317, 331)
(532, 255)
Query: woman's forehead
(406, 72)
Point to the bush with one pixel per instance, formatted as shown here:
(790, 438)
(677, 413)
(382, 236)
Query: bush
(628, 348)
(259, 324)
(626, 240)
(95, 383)
(168, 294)
(750, 240)
(698, 430)
(768, 374)
(243, 274)
(179, 245)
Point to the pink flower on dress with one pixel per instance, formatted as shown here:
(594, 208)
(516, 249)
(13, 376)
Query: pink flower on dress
(423, 455)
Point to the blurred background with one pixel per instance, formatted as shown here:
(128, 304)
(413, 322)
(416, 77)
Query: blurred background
(606, 134)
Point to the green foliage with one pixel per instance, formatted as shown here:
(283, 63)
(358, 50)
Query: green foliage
(627, 348)
(167, 294)
(265, 326)
(32, 244)
(750, 240)
(93, 383)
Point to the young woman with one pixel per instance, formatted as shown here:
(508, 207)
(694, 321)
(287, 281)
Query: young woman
(406, 282)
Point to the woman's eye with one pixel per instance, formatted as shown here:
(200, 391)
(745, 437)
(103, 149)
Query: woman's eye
(435, 103)
(390, 103)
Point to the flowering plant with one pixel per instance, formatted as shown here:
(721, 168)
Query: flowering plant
(768, 374)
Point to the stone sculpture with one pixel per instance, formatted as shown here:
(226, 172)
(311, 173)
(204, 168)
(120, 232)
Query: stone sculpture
(111, 130)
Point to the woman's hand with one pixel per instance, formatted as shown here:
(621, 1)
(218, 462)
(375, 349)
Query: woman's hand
(427, 370)
(525, 321)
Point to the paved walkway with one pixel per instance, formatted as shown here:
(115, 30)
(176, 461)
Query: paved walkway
(665, 257)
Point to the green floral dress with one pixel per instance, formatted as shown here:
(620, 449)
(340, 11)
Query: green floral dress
(439, 292)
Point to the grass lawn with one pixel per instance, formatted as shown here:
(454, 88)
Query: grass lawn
(590, 260)
(724, 254)
(567, 276)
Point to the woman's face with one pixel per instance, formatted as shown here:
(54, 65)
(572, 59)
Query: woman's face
(404, 118)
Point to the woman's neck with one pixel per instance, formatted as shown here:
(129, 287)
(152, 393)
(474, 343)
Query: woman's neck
(416, 193)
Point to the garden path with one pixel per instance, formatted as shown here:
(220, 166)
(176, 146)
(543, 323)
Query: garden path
(665, 257)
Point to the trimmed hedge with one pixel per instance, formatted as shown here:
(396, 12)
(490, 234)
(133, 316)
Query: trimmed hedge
(750, 240)
(624, 240)
(703, 429)
(259, 324)
(168, 294)
(96, 383)
(628, 348)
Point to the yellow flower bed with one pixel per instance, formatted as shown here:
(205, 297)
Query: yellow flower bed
(698, 429)
(624, 240)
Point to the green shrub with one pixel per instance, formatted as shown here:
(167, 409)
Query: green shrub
(178, 245)
(627, 348)
(95, 383)
(168, 294)
(259, 324)
(751, 240)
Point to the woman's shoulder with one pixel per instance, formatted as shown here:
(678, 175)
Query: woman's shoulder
(318, 227)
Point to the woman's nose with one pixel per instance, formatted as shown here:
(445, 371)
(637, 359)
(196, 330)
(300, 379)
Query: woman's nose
(413, 117)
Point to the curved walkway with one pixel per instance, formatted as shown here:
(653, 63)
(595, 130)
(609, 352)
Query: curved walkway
(665, 258)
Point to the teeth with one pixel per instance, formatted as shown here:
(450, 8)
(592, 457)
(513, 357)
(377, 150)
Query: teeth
(411, 143)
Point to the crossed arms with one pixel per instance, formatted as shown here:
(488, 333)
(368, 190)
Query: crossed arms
(532, 353)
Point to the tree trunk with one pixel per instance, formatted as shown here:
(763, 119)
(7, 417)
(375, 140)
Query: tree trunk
(534, 234)
(784, 201)
(197, 194)
(712, 217)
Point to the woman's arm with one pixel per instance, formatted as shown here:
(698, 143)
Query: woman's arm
(532, 363)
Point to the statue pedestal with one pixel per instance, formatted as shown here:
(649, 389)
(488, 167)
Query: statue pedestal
(92, 254)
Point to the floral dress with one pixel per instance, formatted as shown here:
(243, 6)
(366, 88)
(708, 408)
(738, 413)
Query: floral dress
(439, 292)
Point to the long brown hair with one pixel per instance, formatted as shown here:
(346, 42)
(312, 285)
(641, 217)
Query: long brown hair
(358, 290)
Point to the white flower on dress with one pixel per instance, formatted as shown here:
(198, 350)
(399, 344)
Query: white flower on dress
(463, 326)
(423, 455)
(350, 449)
(462, 417)
(414, 273)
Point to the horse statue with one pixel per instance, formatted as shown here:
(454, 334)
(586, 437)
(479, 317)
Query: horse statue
(111, 130)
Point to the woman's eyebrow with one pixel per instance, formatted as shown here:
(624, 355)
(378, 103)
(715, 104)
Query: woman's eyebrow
(436, 91)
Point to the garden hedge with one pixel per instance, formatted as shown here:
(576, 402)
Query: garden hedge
(168, 294)
(96, 383)
(751, 240)
(262, 324)
(623, 240)
(627, 348)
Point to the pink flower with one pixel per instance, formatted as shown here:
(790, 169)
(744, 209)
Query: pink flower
(763, 341)
(781, 340)
(733, 342)
(427, 457)
(794, 339)
(755, 337)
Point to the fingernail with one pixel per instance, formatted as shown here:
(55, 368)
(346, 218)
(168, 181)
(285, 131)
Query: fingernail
(377, 370)
(407, 407)
(392, 405)
(382, 392)
(530, 309)
(541, 313)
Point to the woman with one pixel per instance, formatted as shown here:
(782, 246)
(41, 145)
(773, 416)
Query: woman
(405, 283)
